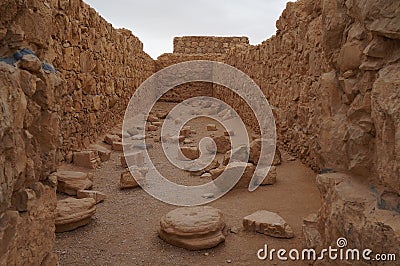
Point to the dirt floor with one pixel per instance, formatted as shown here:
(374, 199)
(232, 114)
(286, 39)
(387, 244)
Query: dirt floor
(124, 228)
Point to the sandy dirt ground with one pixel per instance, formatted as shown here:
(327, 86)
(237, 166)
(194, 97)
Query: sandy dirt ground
(124, 228)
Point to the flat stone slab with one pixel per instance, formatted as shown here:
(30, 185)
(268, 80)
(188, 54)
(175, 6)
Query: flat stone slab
(193, 228)
(69, 182)
(268, 223)
(73, 213)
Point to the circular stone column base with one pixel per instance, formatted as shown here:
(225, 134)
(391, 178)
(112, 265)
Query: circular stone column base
(193, 228)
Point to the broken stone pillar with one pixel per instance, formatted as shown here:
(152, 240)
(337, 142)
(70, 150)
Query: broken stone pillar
(73, 213)
(193, 228)
(268, 223)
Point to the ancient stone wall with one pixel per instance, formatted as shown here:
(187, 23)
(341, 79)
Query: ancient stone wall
(46, 115)
(207, 44)
(193, 89)
(29, 133)
(288, 67)
(102, 66)
(332, 74)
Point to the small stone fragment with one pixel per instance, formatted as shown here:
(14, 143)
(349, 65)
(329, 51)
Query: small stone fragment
(128, 181)
(96, 195)
(103, 152)
(211, 127)
(215, 173)
(117, 146)
(229, 133)
(206, 175)
(191, 153)
(271, 177)
(151, 128)
(223, 144)
(152, 118)
(268, 223)
(188, 141)
(87, 159)
(110, 139)
(157, 124)
(186, 131)
(233, 169)
(31, 63)
(234, 230)
(70, 182)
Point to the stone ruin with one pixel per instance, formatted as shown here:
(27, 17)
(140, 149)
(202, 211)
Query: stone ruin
(332, 73)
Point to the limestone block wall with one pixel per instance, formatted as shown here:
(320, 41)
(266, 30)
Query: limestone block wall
(29, 134)
(332, 73)
(101, 66)
(207, 44)
(193, 89)
(288, 68)
(46, 116)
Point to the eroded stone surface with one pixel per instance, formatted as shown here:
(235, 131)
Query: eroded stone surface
(193, 228)
(347, 203)
(233, 169)
(110, 139)
(89, 159)
(191, 153)
(127, 180)
(96, 195)
(69, 182)
(134, 159)
(103, 152)
(223, 144)
(268, 223)
(73, 213)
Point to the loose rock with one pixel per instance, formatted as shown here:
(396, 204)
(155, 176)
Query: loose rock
(110, 139)
(211, 127)
(128, 181)
(134, 158)
(117, 146)
(268, 223)
(88, 159)
(70, 182)
(191, 153)
(223, 144)
(96, 195)
(103, 152)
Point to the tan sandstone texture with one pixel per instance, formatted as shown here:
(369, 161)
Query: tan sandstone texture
(268, 223)
(70, 182)
(331, 73)
(46, 116)
(73, 213)
(193, 228)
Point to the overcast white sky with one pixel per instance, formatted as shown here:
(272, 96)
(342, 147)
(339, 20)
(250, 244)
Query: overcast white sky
(157, 22)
